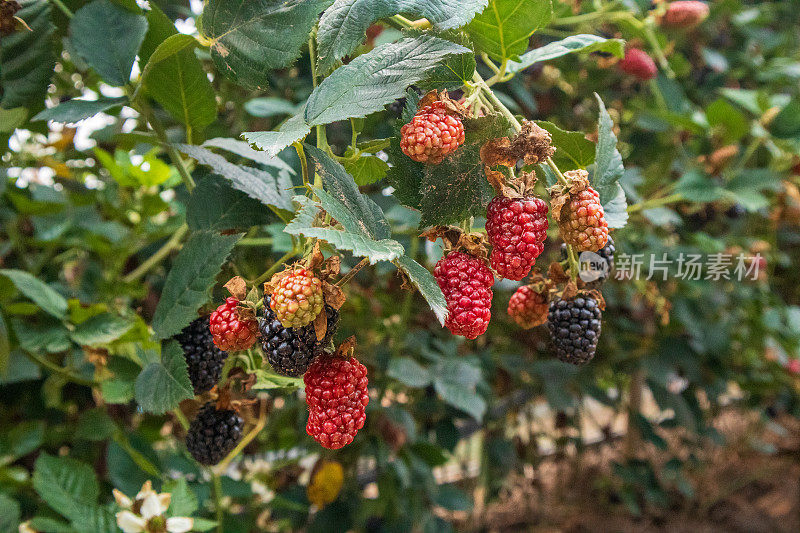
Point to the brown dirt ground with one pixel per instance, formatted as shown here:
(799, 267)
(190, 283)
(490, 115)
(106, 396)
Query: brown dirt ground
(737, 489)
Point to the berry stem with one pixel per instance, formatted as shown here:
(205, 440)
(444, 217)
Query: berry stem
(655, 202)
(216, 484)
(353, 271)
(274, 268)
(63, 372)
(650, 35)
(63, 7)
(573, 263)
(173, 243)
(181, 418)
(559, 175)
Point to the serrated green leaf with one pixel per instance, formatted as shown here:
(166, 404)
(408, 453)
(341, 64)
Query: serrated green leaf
(786, 124)
(101, 329)
(76, 109)
(256, 183)
(22, 439)
(342, 26)
(573, 149)
(108, 38)
(461, 398)
(270, 107)
(408, 371)
(47, 337)
(367, 169)
(272, 142)
(215, 205)
(190, 280)
(608, 168)
(457, 188)
(163, 385)
(616, 209)
(353, 238)
(583, 43)
(502, 30)
(95, 425)
(50, 525)
(251, 37)
(95, 519)
(340, 185)
(42, 295)
(377, 78)
(243, 149)
(696, 187)
(66, 485)
(183, 501)
(173, 76)
(27, 58)
(424, 281)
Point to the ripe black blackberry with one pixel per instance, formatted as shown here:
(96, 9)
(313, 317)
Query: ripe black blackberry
(213, 434)
(204, 359)
(291, 350)
(575, 328)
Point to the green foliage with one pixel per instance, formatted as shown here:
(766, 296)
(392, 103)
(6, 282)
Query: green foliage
(27, 58)
(502, 30)
(76, 109)
(163, 384)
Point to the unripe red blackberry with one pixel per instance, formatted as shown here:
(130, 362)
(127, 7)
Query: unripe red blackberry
(575, 328)
(297, 299)
(291, 350)
(337, 396)
(582, 222)
(431, 134)
(466, 282)
(516, 228)
(213, 434)
(684, 14)
(528, 308)
(203, 358)
(232, 331)
(637, 63)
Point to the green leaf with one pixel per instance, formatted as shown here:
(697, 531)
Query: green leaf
(457, 188)
(173, 76)
(95, 425)
(573, 149)
(183, 501)
(786, 124)
(50, 525)
(462, 398)
(727, 121)
(696, 187)
(163, 385)
(408, 371)
(377, 78)
(502, 30)
(5, 347)
(256, 183)
(11, 119)
(270, 107)
(352, 238)
(244, 149)
(216, 205)
(23, 439)
(76, 109)
(101, 329)
(190, 280)
(251, 37)
(65, 484)
(427, 285)
(9, 514)
(272, 142)
(95, 519)
(108, 37)
(343, 25)
(341, 186)
(49, 300)
(608, 168)
(616, 209)
(366, 169)
(27, 58)
(452, 498)
(47, 337)
(584, 43)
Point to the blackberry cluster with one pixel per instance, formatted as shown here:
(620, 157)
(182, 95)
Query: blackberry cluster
(466, 282)
(213, 434)
(337, 398)
(291, 350)
(516, 228)
(575, 328)
(204, 359)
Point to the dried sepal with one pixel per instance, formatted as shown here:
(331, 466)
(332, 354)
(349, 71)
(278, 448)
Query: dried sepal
(577, 181)
(334, 296)
(347, 348)
(237, 287)
(556, 273)
(330, 268)
(451, 107)
(321, 325)
(315, 258)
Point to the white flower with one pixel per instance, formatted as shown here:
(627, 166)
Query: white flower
(145, 514)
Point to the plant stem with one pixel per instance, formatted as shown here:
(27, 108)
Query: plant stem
(256, 241)
(141, 461)
(574, 266)
(63, 7)
(49, 365)
(181, 418)
(216, 483)
(353, 271)
(274, 268)
(173, 243)
(559, 175)
(655, 202)
(173, 154)
(650, 35)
